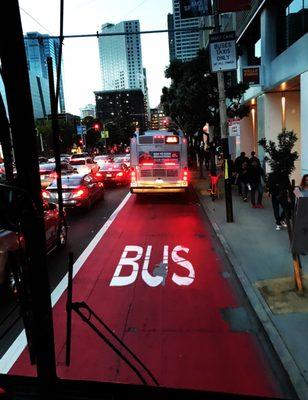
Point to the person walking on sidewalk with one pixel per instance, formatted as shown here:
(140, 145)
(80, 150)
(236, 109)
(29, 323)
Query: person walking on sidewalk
(254, 158)
(256, 177)
(243, 179)
(302, 189)
(279, 189)
(238, 167)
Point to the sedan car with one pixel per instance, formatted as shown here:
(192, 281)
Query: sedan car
(78, 190)
(84, 165)
(104, 159)
(114, 173)
(48, 172)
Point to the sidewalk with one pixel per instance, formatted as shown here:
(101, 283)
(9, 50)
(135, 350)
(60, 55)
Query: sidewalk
(263, 263)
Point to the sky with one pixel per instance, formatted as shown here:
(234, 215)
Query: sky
(81, 73)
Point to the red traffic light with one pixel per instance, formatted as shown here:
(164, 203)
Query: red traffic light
(96, 126)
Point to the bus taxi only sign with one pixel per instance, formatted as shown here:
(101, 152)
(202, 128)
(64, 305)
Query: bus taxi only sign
(223, 51)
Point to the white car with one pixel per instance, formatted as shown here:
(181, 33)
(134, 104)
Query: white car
(85, 165)
(104, 159)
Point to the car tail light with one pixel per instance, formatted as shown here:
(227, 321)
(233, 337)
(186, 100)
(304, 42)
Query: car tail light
(148, 164)
(120, 174)
(45, 194)
(170, 163)
(80, 193)
(98, 174)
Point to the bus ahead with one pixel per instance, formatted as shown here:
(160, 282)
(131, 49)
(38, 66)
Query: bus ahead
(158, 162)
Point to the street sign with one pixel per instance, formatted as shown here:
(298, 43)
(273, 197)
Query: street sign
(194, 8)
(225, 6)
(234, 127)
(251, 75)
(79, 130)
(223, 51)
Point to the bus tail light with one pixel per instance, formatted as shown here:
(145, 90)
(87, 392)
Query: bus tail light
(185, 176)
(133, 175)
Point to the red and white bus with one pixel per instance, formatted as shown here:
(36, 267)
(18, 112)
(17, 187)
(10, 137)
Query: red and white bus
(158, 162)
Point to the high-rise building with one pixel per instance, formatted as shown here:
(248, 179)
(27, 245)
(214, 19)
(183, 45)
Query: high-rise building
(171, 37)
(38, 47)
(120, 57)
(157, 118)
(186, 44)
(88, 111)
(124, 103)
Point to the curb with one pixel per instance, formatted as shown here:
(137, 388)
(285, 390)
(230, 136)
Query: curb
(262, 310)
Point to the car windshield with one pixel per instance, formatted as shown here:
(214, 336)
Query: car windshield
(78, 162)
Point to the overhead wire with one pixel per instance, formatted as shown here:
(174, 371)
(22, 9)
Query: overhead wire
(34, 19)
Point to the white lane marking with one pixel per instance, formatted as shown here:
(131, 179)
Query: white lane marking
(19, 344)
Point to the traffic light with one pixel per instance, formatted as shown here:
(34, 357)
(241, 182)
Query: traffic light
(97, 126)
(80, 142)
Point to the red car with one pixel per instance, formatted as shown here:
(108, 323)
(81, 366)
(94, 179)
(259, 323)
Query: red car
(114, 173)
(10, 243)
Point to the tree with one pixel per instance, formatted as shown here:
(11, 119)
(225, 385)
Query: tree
(67, 131)
(281, 158)
(192, 98)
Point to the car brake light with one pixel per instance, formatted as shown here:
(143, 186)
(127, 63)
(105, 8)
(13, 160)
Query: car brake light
(98, 174)
(170, 163)
(45, 194)
(148, 164)
(80, 192)
(120, 174)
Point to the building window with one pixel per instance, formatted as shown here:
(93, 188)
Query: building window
(296, 15)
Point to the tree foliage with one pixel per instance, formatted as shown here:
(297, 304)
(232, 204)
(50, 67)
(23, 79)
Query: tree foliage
(192, 99)
(280, 156)
(68, 135)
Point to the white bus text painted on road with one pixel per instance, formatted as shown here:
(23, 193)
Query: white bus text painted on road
(160, 272)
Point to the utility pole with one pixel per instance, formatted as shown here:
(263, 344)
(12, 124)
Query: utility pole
(224, 129)
(55, 135)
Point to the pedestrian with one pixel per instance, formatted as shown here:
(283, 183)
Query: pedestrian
(256, 179)
(243, 180)
(237, 168)
(253, 157)
(279, 189)
(201, 157)
(302, 189)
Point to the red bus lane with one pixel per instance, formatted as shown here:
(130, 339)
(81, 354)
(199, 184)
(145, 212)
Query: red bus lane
(156, 280)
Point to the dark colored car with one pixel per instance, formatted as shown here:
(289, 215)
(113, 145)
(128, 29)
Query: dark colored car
(11, 242)
(48, 172)
(79, 155)
(79, 191)
(114, 173)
